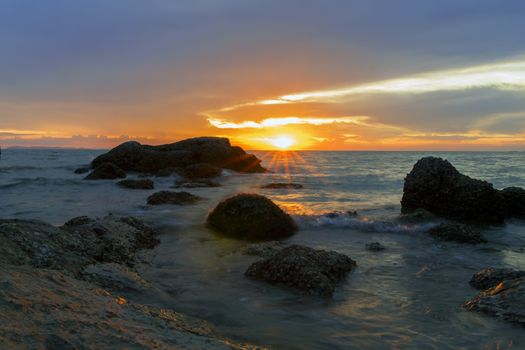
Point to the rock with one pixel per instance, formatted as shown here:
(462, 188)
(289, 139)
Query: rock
(166, 172)
(201, 171)
(196, 183)
(169, 197)
(504, 297)
(375, 246)
(115, 277)
(490, 277)
(304, 269)
(435, 185)
(132, 156)
(457, 233)
(339, 214)
(81, 242)
(264, 249)
(417, 216)
(145, 184)
(514, 198)
(82, 170)
(282, 185)
(251, 217)
(106, 171)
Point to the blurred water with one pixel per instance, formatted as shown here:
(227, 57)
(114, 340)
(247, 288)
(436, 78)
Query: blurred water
(407, 297)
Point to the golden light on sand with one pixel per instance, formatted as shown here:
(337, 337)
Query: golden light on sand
(282, 142)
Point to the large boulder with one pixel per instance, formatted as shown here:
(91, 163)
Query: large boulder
(251, 217)
(170, 197)
(435, 185)
(217, 151)
(106, 171)
(304, 269)
(514, 198)
(502, 295)
(201, 171)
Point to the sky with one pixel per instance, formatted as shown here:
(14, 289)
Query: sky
(304, 74)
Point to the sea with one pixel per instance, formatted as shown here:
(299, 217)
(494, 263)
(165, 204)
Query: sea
(409, 296)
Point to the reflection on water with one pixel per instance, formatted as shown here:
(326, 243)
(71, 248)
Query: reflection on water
(406, 297)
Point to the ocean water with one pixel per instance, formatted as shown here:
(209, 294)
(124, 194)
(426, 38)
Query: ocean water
(409, 296)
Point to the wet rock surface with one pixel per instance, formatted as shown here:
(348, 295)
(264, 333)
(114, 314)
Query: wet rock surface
(199, 183)
(303, 269)
(106, 171)
(133, 156)
(170, 197)
(282, 185)
(81, 170)
(375, 247)
(201, 171)
(457, 233)
(251, 217)
(435, 185)
(503, 294)
(143, 184)
(115, 277)
(264, 249)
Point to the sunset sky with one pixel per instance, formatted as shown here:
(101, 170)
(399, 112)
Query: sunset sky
(326, 74)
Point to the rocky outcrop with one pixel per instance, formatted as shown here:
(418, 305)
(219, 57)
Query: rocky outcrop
(201, 171)
(251, 217)
(169, 197)
(132, 156)
(457, 233)
(82, 170)
(375, 247)
(502, 295)
(282, 185)
(115, 277)
(435, 185)
(303, 269)
(106, 171)
(144, 184)
(514, 198)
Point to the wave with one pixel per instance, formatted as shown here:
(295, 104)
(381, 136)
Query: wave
(346, 221)
(39, 181)
(7, 169)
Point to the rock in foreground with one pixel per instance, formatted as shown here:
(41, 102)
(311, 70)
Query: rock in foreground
(169, 197)
(304, 269)
(106, 171)
(132, 156)
(251, 217)
(435, 185)
(504, 296)
(457, 233)
(514, 201)
(137, 184)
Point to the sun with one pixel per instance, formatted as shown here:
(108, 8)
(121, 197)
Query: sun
(282, 142)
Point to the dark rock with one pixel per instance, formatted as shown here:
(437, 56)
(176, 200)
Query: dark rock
(201, 171)
(79, 220)
(169, 197)
(196, 183)
(375, 246)
(514, 198)
(435, 185)
(504, 297)
(282, 185)
(490, 277)
(338, 214)
(106, 171)
(264, 249)
(304, 269)
(417, 216)
(251, 217)
(82, 170)
(115, 277)
(132, 156)
(457, 233)
(137, 184)
(166, 172)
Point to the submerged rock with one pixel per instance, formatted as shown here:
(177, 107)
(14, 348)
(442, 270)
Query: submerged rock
(196, 183)
(375, 246)
(457, 233)
(82, 170)
(169, 197)
(251, 217)
(145, 184)
(304, 269)
(435, 185)
(264, 249)
(132, 156)
(282, 185)
(106, 171)
(504, 296)
(514, 201)
(201, 171)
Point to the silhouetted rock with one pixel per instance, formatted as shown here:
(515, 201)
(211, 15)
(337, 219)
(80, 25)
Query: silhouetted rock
(375, 246)
(106, 171)
(435, 185)
(514, 198)
(166, 172)
(201, 171)
(251, 217)
(457, 233)
(137, 184)
(196, 183)
(82, 170)
(169, 197)
(282, 185)
(132, 156)
(304, 269)
(504, 294)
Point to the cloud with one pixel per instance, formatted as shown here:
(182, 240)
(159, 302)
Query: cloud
(277, 122)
